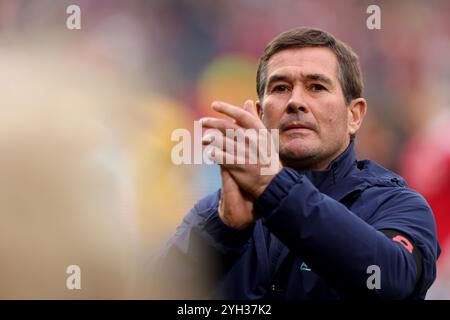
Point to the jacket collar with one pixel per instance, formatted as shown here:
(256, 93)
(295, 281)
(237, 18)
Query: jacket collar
(336, 170)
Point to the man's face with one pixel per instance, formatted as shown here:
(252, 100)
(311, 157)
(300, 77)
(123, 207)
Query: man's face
(304, 100)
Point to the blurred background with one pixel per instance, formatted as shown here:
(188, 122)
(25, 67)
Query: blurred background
(86, 118)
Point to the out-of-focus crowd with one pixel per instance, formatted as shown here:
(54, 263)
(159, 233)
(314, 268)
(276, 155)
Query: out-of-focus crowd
(86, 118)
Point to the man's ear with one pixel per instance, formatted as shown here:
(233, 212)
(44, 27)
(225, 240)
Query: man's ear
(356, 113)
(259, 109)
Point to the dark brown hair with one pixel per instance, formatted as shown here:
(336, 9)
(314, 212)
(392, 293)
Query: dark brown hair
(349, 71)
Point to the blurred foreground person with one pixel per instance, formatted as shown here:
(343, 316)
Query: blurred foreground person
(63, 192)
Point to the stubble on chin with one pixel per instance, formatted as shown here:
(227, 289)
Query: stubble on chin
(297, 157)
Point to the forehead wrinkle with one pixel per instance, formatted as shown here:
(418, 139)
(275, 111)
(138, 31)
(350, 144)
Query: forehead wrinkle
(323, 60)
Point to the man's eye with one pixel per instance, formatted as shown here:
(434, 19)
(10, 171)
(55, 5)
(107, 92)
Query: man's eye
(317, 87)
(280, 88)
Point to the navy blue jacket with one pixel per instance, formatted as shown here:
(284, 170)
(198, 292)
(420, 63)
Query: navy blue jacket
(319, 234)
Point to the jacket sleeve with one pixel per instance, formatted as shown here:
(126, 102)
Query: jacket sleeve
(341, 247)
(200, 252)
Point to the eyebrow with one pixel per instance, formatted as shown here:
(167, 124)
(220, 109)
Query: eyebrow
(311, 77)
(319, 77)
(275, 78)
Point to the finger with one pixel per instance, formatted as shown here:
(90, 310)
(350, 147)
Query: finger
(215, 140)
(242, 117)
(249, 106)
(214, 156)
(236, 152)
(224, 159)
(210, 135)
(226, 146)
(219, 124)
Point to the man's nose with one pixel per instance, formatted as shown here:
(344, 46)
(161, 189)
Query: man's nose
(297, 102)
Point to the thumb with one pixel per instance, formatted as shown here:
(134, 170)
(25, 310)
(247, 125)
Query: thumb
(227, 179)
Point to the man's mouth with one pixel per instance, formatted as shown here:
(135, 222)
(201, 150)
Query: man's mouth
(296, 126)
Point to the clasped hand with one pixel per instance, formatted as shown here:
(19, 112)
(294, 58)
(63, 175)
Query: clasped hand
(247, 153)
